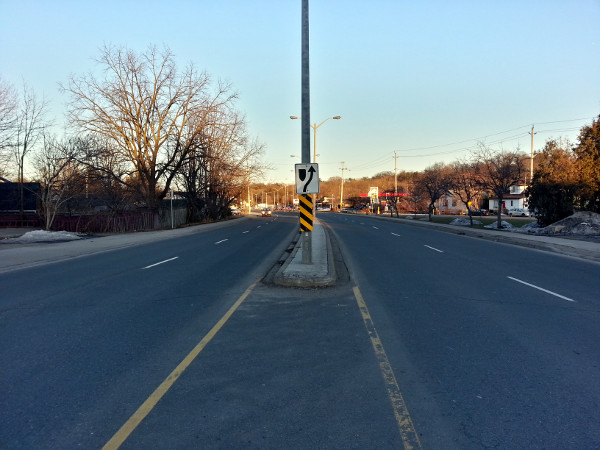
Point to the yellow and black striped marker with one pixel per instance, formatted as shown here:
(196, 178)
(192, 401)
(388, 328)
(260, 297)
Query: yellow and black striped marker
(306, 212)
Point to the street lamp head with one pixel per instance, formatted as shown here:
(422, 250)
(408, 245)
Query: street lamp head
(293, 117)
(337, 117)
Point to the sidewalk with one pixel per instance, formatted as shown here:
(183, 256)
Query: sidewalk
(14, 256)
(7, 233)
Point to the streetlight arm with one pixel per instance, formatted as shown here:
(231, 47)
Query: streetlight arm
(315, 126)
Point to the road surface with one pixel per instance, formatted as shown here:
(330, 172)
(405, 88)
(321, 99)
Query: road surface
(430, 340)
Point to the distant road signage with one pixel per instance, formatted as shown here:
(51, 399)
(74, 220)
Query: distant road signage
(307, 178)
(388, 194)
(374, 192)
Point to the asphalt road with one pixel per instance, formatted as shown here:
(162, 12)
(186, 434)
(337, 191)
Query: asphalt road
(182, 344)
(493, 346)
(86, 340)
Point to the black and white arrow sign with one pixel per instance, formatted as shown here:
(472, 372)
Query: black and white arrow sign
(307, 178)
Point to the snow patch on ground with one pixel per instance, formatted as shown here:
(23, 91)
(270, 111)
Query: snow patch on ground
(581, 223)
(584, 223)
(44, 236)
(465, 222)
(503, 225)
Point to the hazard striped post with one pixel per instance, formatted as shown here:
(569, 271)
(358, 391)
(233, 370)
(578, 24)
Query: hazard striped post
(306, 212)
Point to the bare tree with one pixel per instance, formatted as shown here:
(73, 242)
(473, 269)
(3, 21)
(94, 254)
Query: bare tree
(221, 163)
(104, 168)
(464, 184)
(417, 201)
(497, 171)
(155, 115)
(30, 127)
(56, 170)
(435, 182)
(8, 121)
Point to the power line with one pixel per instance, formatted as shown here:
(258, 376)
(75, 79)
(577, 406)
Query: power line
(498, 133)
(563, 121)
(462, 142)
(381, 160)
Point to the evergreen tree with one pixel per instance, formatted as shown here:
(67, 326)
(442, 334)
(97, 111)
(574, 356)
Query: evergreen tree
(588, 159)
(555, 183)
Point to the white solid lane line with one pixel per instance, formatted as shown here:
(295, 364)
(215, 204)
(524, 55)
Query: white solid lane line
(542, 289)
(222, 240)
(436, 249)
(161, 262)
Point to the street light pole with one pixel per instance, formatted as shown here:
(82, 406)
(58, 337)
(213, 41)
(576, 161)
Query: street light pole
(314, 127)
(305, 131)
(248, 181)
(343, 168)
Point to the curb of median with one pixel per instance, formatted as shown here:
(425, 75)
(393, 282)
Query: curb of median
(294, 274)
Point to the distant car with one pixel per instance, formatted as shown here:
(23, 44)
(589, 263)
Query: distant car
(235, 211)
(478, 212)
(519, 212)
(265, 212)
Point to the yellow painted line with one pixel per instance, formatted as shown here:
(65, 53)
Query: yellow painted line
(138, 416)
(409, 435)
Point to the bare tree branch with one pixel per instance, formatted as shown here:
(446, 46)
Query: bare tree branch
(8, 120)
(30, 126)
(154, 115)
(497, 171)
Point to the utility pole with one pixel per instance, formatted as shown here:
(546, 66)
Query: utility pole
(305, 133)
(532, 133)
(172, 222)
(396, 183)
(343, 168)
(395, 173)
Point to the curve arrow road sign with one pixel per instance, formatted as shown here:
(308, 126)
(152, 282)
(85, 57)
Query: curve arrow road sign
(307, 178)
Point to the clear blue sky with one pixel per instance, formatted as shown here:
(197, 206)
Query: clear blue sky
(426, 79)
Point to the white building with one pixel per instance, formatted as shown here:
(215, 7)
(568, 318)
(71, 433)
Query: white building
(513, 200)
